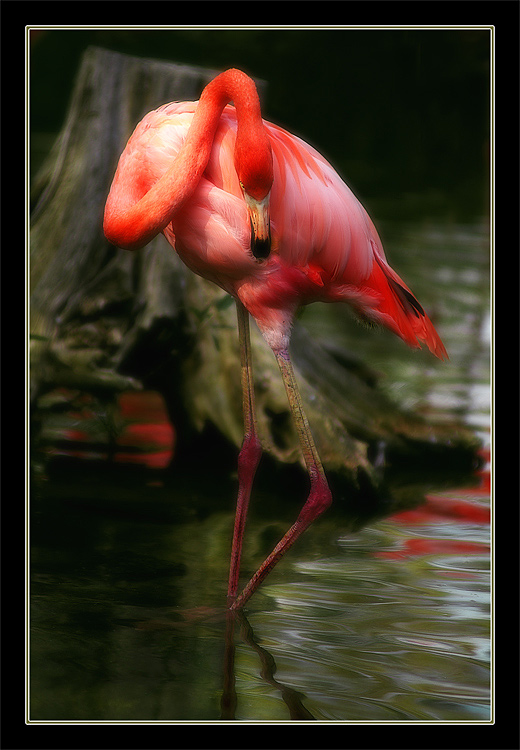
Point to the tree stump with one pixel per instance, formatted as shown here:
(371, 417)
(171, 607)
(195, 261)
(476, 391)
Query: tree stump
(104, 320)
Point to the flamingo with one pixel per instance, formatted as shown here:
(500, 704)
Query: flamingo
(263, 215)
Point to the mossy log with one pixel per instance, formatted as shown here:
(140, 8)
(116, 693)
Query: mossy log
(105, 320)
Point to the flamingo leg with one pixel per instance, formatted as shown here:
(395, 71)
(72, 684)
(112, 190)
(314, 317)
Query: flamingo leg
(319, 497)
(250, 453)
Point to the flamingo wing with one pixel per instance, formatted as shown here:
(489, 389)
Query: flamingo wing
(324, 230)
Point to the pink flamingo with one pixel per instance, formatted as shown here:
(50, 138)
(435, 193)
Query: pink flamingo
(263, 215)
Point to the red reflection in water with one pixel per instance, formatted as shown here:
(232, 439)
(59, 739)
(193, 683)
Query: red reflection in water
(139, 432)
(150, 431)
(445, 508)
(468, 506)
(418, 546)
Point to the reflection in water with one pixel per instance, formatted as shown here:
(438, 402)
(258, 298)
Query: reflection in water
(372, 628)
(389, 623)
(394, 626)
(292, 698)
(228, 702)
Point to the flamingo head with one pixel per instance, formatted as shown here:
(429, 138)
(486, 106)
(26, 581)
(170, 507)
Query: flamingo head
(255, 173)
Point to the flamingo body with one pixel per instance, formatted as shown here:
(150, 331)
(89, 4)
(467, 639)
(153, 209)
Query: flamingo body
(324, 245)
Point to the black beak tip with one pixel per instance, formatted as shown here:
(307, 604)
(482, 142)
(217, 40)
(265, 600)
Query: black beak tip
(260, 248)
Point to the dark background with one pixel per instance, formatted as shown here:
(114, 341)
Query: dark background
(397, 111)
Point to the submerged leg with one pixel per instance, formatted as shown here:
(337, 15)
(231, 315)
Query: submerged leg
(250, 453)
(319, 497)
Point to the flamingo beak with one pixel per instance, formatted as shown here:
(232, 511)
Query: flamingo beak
(258, 211)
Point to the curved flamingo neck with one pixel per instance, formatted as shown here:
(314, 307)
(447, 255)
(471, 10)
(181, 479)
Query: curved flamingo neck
(252, 156)
(133, 226)
(235, 86)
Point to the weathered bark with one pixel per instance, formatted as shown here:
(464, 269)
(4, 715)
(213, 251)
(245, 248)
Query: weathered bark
(105, 320)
